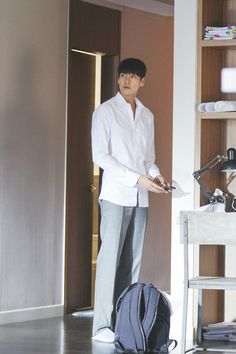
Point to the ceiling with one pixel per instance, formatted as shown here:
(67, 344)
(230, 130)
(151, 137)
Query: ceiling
(170, 2)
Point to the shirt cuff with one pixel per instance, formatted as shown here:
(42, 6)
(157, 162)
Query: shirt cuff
(154, 171)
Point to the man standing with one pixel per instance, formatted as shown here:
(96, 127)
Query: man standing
(123, 146)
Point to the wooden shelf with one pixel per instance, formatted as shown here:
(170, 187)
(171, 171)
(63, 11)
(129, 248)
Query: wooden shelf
(218, 345)
(217, 115)
(218, 43)
(216, 130)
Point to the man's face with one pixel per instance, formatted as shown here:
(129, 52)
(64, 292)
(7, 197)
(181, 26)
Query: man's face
(129, 84)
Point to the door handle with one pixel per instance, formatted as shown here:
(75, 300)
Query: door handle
(92, 188)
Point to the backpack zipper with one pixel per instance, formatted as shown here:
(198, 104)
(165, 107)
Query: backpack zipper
(150, 328)
(154, 318)
(140, 325)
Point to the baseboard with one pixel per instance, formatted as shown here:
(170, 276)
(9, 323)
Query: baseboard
(31, 314)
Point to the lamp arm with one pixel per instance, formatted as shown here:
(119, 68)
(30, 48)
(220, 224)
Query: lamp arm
(197, 175)
(212, 163)
(207, 194)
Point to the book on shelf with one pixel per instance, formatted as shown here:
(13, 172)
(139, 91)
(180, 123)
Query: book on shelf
(224, 337)
(219, 33)
(220, 331)
(220, 325)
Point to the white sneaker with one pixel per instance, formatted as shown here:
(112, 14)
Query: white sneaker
(105, 336)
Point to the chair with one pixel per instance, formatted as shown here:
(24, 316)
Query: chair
(203, 228)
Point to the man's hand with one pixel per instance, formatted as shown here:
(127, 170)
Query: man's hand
(147, 182)
(161, 181)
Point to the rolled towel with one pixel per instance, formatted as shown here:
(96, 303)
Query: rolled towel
(210, 107)
(201, 107)
(225, 106)
(206, 107)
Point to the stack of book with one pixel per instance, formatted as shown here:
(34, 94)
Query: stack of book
(220, 331)
(220, 33)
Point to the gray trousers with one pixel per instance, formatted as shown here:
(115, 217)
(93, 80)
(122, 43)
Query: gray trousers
(118, 263)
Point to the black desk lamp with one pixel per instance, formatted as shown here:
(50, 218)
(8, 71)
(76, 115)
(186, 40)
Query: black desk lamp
(228, 166)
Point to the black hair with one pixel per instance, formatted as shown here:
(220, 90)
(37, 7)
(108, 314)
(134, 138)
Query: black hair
(132, 66)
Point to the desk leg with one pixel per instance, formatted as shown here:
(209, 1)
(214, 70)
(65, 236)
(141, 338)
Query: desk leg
(199, 317)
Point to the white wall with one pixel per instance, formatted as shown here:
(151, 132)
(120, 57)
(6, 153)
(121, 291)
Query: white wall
(32, 152)
(152, 6)
(148, 5)
(185, 54)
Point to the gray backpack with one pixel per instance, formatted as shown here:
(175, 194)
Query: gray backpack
(142, 320)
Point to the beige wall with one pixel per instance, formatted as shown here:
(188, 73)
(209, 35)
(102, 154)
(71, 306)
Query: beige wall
(150, 37)
(32, 152)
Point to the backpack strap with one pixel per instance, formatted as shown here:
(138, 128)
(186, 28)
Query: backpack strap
(172, 345)
(135, 310)
(129, 331)
(151, 298)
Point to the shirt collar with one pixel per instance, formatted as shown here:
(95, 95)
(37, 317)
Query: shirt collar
(123, 103)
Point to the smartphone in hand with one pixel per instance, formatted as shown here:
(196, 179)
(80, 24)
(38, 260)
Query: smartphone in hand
(169, 188)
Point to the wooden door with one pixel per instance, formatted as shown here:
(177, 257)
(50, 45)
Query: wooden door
(79, 199)
(95, 29)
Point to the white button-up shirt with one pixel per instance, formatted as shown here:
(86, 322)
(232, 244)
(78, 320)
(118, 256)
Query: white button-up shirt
(124, 148)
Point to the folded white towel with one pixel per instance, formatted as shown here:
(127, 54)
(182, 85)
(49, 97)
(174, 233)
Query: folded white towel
(225, 106)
